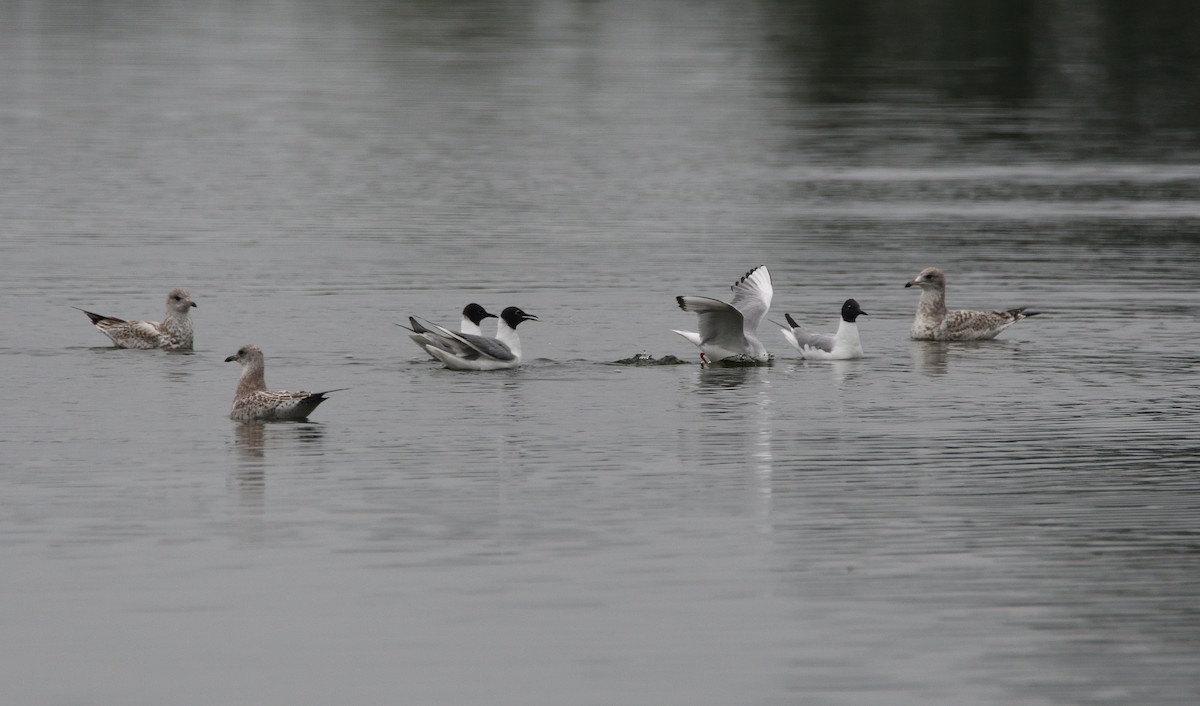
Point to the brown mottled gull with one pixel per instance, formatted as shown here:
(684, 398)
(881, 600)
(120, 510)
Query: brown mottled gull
(254, 402)
(173, 334)
(934, 323)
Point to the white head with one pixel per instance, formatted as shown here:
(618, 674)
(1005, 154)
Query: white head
(179, 301)
(930, 278)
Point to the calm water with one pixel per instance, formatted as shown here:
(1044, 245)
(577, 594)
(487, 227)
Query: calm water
(1016, 521)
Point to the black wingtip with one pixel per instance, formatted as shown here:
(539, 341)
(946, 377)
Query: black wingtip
(680, 302)
(744, 277)
(97, 318)
(790, 320)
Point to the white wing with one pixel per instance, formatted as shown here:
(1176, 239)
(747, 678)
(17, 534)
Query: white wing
(752, 297)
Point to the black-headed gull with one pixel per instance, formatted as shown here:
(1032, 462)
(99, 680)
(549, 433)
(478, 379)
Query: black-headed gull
(934, 323)
(174, 333)
(729, 332)
(254, 402)
(472, 316)
(843, 345)
(462, 351)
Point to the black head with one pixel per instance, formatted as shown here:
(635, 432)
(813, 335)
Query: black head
(513, 316)
(850, 311)
(476, 313)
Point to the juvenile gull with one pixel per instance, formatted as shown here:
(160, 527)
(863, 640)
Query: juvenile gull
(472, 315)
(254, 402)
(464, 351)
(934, 323)
(729, 332)
(843, 345)
(173, 334)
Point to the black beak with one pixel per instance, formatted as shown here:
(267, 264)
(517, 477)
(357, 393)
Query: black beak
(231, 358)
(193, 304)
(908, 284)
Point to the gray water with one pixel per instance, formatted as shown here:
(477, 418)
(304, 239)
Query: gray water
(1013, 521)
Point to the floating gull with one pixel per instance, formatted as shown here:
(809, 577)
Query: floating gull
(843, 345)
(463, 351)
(254, 402)
(174, 333)
(472, 316)
(934, 323)
(729, 331)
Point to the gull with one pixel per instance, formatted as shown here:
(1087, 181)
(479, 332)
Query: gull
(934, 323)
(843, 345)
(472, 315)
(173, 334)
(464, 351)
(254, 402)
(729, 331)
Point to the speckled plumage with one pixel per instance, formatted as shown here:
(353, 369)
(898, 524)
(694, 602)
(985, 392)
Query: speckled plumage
(173, 333)
(933, 323)
(254, 402)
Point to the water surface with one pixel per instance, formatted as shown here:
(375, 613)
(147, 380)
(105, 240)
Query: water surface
(1003, 522)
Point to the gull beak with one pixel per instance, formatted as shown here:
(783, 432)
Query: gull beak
(231, 358)
(910, 283)
(193, 304)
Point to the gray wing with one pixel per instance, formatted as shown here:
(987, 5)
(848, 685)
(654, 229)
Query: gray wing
(808, 339)
(464, 345)
(721, 325)
(752, 297)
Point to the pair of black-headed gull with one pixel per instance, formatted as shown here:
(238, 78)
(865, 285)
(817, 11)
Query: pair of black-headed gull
(468, 348)
(729, 331)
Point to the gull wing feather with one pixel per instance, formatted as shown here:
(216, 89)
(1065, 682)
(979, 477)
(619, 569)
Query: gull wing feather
(466, 345)
(968, 325)
(752, 296)
(803, 338)
(721, 325)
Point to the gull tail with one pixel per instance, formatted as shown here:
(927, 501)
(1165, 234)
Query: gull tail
(97, 318)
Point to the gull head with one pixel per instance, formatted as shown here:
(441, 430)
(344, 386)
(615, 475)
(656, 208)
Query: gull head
(180, 301)
(513, 316)
(851, 311)
(246, 355)
(928, 278)
(476, 313)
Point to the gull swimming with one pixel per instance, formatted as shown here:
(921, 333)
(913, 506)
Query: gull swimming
(174, 333)
(472, 316)
(934, 323)
(843, 345)
(464, 351)
(729, 332)
(254, 402)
